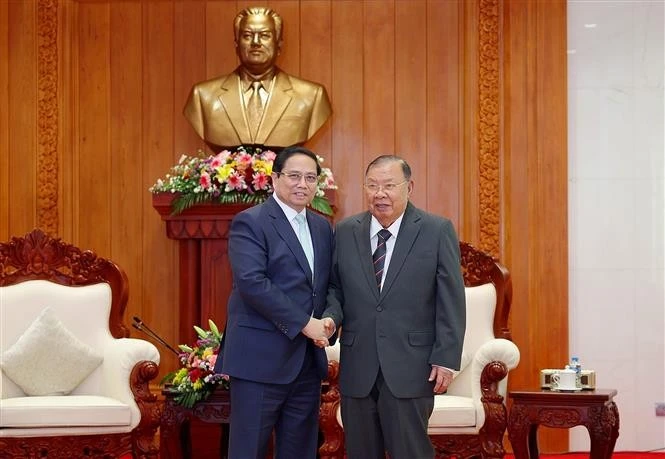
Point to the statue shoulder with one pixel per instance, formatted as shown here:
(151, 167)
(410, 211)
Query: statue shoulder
(302, 84)
(212, 85)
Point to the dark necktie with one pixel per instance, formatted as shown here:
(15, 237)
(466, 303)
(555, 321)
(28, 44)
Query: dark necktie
(379, 256)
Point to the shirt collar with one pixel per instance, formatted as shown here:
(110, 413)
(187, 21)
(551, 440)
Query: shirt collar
(375, 227)
(266, 79)
(289, 211)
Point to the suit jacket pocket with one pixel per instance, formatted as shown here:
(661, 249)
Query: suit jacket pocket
(421, 338)
(347, 338)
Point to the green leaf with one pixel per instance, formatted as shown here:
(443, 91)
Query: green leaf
(213, 327)
(201, 332)
(185, 348)
(168, 378)
(321, 204)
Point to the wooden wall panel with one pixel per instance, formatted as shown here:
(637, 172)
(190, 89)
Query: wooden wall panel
(126, 134)
(220, 55)
(378, 79)
(22, 123)
(346, 93)
(94, 160)
(412, 78)
(444, 108)
(535, 195)
(316, 61)
(189, 58)
(4, 121)
(411, 92)
(160, 286)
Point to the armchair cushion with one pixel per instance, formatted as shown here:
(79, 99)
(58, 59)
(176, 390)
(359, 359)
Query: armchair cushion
(47, 347)
(71, 411)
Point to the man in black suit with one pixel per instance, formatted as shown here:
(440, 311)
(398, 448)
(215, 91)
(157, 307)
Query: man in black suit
(397, 290)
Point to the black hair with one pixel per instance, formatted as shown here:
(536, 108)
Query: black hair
(286, 153)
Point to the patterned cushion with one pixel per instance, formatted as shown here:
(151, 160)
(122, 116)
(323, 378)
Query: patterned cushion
(48, 359)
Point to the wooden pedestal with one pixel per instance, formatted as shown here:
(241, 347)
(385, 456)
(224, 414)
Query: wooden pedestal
(205, 275)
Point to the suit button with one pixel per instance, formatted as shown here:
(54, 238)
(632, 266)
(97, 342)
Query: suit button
(314, 294)
(379, 308)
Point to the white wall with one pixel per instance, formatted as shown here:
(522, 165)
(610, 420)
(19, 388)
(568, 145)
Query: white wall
(616, 208)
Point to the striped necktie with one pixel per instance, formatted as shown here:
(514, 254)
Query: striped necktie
(379, 256)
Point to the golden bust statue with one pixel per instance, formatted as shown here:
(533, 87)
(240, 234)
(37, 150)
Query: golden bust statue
(258, 103)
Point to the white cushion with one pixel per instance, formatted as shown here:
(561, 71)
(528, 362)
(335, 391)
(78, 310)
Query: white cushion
(453, 411)
(47, 348)
(70, 411)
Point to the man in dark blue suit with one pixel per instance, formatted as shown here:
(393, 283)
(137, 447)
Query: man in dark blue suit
(280, 256)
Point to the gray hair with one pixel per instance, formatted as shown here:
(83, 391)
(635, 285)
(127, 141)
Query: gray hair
(383, 159)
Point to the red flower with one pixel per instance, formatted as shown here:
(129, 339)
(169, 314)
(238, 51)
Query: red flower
(195, 375)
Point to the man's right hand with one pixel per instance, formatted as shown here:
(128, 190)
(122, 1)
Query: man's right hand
(330, 328)
(316, 329)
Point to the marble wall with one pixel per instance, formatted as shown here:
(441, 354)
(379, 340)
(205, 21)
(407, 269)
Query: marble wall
(616, 208)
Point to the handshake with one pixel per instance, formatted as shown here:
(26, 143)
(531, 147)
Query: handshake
(319, 330)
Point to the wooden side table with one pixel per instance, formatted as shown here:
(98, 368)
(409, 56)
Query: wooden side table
(174, 435)
(595, 410)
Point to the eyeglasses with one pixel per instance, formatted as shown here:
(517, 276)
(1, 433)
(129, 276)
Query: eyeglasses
(296, 177)
(387, 188)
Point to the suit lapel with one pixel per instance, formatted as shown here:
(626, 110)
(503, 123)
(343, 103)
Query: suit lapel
(229, 96)
(407, 235)
(361, 235)
(280, 98)
(284, 229)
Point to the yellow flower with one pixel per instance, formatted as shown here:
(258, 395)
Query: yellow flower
(206, 353)
(198, 385)
(179, 376)
(224, 171)
(263, 166)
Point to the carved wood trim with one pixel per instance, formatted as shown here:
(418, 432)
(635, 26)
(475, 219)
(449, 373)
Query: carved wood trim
(488, 126)
(38, 256)
(47, 115)
(144, 435)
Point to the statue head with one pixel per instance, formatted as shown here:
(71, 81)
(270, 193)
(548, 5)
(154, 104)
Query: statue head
(258, 38)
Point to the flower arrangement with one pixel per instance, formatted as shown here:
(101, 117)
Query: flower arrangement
(197, 379)
(242, 176)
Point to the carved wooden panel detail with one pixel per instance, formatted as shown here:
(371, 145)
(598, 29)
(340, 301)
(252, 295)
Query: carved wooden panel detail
(488, 128)
(47, 113)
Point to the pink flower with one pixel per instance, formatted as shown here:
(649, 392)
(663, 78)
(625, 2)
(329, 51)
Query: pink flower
(261, 181)
(244, 160)
(235, 182)
(269, 155)
(204, 181)
(212, 359)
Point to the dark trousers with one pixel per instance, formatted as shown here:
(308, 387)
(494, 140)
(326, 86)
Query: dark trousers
(292, 410)
(381, 422)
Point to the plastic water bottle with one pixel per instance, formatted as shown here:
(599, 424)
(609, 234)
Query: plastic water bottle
(577, 366)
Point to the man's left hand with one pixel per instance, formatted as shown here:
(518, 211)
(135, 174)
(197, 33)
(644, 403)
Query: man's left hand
(442, 377)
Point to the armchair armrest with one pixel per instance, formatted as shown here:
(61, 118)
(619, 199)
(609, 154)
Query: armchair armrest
(490, 367)
(120, 359)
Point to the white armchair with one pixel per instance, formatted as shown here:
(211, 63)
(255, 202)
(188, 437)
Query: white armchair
(72, 384)
(470, 418)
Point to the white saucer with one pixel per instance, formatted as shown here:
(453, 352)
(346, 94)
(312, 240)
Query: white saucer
(567, 390)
